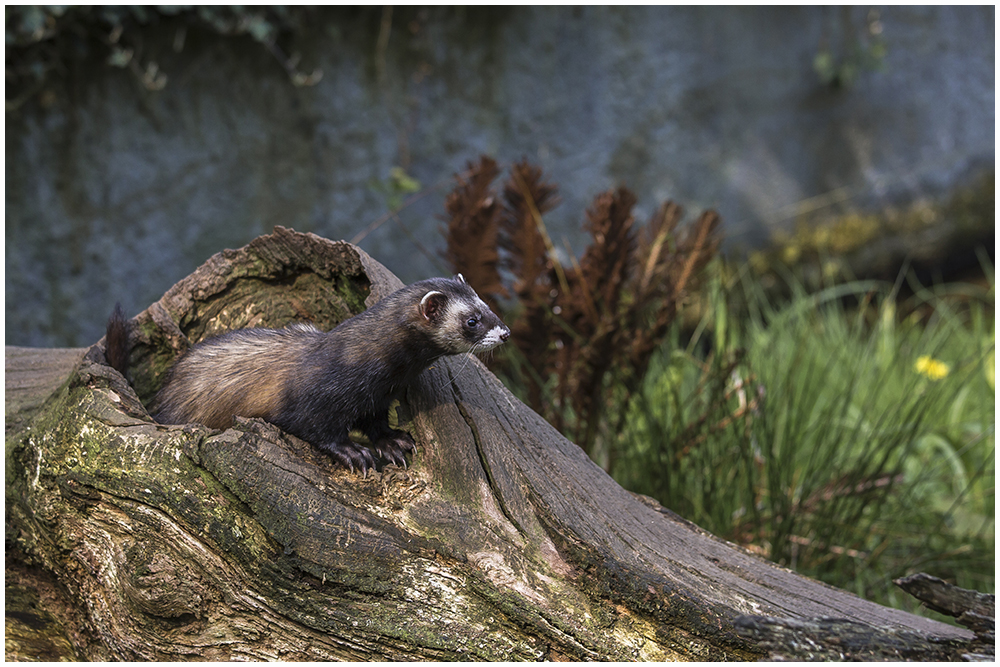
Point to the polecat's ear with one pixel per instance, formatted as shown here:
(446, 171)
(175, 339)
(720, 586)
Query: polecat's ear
(460, 278)
(432, 305)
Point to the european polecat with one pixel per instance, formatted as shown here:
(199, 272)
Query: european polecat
(318, 386)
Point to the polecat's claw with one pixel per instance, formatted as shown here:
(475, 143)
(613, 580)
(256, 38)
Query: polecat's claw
(350, 456)
(394, 447)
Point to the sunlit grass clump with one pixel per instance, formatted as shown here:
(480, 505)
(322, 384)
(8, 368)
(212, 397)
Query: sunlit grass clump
(846, 433)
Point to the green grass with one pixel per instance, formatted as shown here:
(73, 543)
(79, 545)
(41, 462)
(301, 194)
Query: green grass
(810, 433)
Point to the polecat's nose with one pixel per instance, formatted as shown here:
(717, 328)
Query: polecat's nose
(505, 334)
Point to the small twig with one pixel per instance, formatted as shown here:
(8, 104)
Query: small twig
(409, 201)
(832, 548)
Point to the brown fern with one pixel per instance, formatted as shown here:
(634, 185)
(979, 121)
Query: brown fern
(593, 310)
(526, 197)
(657, 244)
(591, 327)
(472, 238)
(674, 275)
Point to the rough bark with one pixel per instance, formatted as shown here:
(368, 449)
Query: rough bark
(502, 540)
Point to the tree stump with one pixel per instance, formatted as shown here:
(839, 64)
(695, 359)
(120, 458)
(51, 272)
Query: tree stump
(502, 540)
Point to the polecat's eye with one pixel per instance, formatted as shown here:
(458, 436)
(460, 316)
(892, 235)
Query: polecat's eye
(472, 322)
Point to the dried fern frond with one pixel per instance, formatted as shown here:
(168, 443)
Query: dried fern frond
(526, 198)
(656, 246)
(697, 245)
(676, 273)
(472, 238)
(607, 261)
(591, 310)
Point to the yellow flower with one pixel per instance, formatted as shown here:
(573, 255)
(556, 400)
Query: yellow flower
(930, 367)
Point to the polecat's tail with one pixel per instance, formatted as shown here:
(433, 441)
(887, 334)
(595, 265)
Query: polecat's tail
(116, 340)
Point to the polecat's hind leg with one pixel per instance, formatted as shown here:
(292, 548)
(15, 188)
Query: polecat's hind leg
(388, 443)
(349, 454)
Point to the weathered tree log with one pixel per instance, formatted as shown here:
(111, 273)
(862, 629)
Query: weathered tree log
(974, 610)
(501, 541)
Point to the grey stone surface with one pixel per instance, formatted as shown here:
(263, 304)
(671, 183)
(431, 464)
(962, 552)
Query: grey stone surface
(114, 192)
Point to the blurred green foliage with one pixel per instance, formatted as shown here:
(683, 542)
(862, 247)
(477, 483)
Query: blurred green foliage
(862, 49)
(43, 41)
(31, 24)
(874, 244)
(395, 188)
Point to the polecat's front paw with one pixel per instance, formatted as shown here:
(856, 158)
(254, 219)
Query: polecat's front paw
(350, 455)
(394, 447)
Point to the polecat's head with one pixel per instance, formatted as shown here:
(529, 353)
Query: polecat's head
(457, 319)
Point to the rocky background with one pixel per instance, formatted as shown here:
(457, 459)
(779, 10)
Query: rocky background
(140, 142)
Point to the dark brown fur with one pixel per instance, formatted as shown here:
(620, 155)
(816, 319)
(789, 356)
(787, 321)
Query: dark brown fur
(116, 340)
